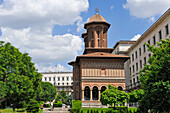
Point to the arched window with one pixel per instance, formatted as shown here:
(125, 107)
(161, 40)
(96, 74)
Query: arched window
(95, 93)
(120, 88)
(103, 88)
(92, 39)
(98, 38)
(87, 93)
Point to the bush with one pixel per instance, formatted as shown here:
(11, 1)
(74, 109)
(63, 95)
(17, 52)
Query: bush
(41, 102)
(33, 106)
(74, 110)
(58, 104)
(46, 106)
(76, 104)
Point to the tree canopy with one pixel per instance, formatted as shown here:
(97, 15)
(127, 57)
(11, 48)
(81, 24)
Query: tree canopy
(113, 96)
(136, 95)
(48, 92)
(155, 79)
(61, 96)
(19, 79)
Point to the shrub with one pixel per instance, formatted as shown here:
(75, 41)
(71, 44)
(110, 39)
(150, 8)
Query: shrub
(58, 104)
(46, 106)
(76, 104)
(74, 110)
(41, 102)
(33, 106)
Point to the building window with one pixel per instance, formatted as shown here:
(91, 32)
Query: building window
(54, 83)
(45, 78)
(136, 54)
(71, 78)
(140, 63)
(62, 88)
(58, 88)
(154, 40)
(145, 60)
(149, 42)
(133, 80)
(130, 71)
(160, 35)
(58, 83)
(140, 52)
(67, 83)
(67, 78)
(133, 69)
(130, 82)
(144, 48)
(166, 30)
(98, 38)
(49, 78)
(149, 55)
(71, 83)
(132, 57)
(63, 84)
(67, 88)
(53, 78)
(136, 66)
(62, 78)
(58, 78)
(92, 39)
(137, 79)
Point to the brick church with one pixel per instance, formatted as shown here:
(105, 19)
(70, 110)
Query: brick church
(97, 67)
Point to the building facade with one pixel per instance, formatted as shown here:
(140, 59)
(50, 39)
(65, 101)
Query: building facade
(61, 80)
(97, 67)
(138, 51)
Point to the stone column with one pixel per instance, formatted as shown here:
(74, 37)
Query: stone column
(82, 95)
(91, 95)
(99, 95)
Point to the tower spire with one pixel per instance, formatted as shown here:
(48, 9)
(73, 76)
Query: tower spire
(97, 10)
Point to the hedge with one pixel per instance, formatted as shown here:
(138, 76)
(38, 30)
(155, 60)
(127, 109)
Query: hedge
(58, 104)
(46, 106)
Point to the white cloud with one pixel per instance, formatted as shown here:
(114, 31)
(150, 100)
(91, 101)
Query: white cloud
(136, 37)
(152, 19)
(57, 68)
(80, 24)
(111, 7)
(146, 8)
(27, 24)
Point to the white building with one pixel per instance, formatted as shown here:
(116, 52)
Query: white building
(61, 80)
(138, 51)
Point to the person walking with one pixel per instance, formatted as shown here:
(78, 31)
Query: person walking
(52, 106)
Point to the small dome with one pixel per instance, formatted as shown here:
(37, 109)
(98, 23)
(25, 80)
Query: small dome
(97, 18)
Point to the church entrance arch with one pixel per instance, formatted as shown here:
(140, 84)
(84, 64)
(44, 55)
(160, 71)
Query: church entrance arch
(87, 93)
(103, 88)
(95, 93)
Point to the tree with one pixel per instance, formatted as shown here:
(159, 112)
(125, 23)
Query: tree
(48, 92)
(19, 79)
(155, 79)
(61, 96)
(113, 96)
(136, 95)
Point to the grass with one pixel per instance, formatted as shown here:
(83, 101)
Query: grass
(10, 110)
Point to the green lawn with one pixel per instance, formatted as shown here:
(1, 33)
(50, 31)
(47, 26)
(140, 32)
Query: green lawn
(10, 110)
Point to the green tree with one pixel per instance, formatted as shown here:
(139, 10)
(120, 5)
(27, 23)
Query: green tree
(113, 96)
(155, 79)
(48, 92)
(136, 95)
(19, 78)
(61, 96)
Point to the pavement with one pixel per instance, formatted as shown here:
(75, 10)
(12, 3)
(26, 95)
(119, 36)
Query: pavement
(56, 110)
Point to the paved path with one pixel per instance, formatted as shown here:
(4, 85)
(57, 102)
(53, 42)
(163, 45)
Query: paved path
(56, 110)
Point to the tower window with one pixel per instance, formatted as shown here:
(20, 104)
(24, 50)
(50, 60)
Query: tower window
(92, 39)
(160, 35)
(98, 38)
(154, 40)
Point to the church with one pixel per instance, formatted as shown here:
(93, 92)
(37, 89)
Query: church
(97, 67)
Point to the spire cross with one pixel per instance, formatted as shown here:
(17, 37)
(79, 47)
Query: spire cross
(97, 10)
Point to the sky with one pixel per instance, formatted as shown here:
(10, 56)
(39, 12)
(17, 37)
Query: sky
(50, 30)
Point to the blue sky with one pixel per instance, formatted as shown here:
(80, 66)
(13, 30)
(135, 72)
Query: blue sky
(50, 31)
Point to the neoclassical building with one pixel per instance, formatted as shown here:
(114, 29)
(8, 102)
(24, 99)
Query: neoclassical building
(97, 67)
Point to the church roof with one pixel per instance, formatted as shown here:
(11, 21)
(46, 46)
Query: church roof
(99, 55)
(97, 18)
